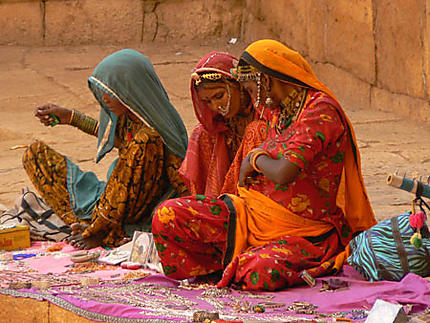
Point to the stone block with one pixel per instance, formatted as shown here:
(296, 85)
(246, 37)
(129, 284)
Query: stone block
(399, 46)
(21, 23)
(255, 29)
(351, 92)
(316, 30)
(253, 7)
(198, 20)
(150, 27)
(427, 49)
(283, 20)
(149, 5)
(414, 108)
(93, 21)
(19, 309)
(289, 20)
(349, 37)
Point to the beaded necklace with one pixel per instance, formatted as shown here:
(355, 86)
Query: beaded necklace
(291, 107)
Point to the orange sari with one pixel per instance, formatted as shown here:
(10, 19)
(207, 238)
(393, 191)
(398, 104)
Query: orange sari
(352, 195)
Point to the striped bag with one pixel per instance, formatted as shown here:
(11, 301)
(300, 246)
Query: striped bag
(384, 252)
(30, 209)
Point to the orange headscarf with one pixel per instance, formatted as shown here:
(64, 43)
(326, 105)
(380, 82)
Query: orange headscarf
(275, 59)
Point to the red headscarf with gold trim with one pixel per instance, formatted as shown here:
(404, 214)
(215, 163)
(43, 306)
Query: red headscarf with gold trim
(219, 162)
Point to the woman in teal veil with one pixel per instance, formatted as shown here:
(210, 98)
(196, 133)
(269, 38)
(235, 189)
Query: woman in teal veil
(137, 118)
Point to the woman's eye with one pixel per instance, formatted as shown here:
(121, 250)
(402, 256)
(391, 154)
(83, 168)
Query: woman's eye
(219, 95)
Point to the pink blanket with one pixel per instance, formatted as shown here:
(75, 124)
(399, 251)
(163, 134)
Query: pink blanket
(157, 297)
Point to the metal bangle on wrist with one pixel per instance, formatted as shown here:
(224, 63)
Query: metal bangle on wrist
(83, 122)
(254, 154)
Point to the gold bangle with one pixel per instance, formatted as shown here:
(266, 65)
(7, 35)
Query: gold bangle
(255, 153)
(72, 116)
(83, 122)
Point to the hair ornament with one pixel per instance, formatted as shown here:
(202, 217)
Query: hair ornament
(198, 78)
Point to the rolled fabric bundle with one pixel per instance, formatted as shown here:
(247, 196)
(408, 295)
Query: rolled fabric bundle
(409, 185)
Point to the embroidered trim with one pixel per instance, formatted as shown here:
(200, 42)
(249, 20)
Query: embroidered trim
(119, 99)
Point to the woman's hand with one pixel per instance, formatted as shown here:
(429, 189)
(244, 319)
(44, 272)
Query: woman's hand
(46, 112)
(246, 171)
(279, 171)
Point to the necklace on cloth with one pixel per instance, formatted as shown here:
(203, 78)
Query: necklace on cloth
(291, 107)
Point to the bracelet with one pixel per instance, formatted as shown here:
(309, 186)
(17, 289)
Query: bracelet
(83, 122)
(72, 116)
(255, 153)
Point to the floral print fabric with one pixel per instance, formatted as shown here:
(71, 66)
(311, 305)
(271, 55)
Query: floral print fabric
(190, 235)
(316, 143)
(142, 175)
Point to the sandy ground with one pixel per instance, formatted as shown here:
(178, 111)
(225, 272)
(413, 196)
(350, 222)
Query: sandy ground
(32, 76)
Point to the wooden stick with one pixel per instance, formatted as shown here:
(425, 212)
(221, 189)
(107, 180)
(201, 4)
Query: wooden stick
(407, 184)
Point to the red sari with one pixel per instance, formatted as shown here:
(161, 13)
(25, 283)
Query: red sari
(191, 233)
(214, 142)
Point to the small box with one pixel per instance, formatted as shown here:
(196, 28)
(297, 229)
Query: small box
(14, 237)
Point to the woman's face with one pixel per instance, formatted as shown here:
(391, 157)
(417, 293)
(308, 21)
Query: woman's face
(114, 105)
(216, 96)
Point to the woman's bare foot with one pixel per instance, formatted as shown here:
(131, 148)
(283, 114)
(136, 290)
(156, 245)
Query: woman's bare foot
(79, 242)
(77, 228)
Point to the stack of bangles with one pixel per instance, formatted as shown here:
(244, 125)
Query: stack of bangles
(83, 122)
(254, 154)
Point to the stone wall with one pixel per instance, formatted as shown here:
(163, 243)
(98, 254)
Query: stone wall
(371, 53)
(73, 22)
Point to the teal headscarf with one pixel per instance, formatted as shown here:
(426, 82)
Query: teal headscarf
(129, 76)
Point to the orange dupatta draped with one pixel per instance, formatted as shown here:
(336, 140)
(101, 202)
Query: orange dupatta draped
(260, 220)
(273, 56)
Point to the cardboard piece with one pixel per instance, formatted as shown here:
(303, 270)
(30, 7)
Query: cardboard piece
(144, 252)
(385, 312)
(14, 237)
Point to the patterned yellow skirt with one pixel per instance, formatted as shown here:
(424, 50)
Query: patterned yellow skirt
(134, 188)
(47, 170)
